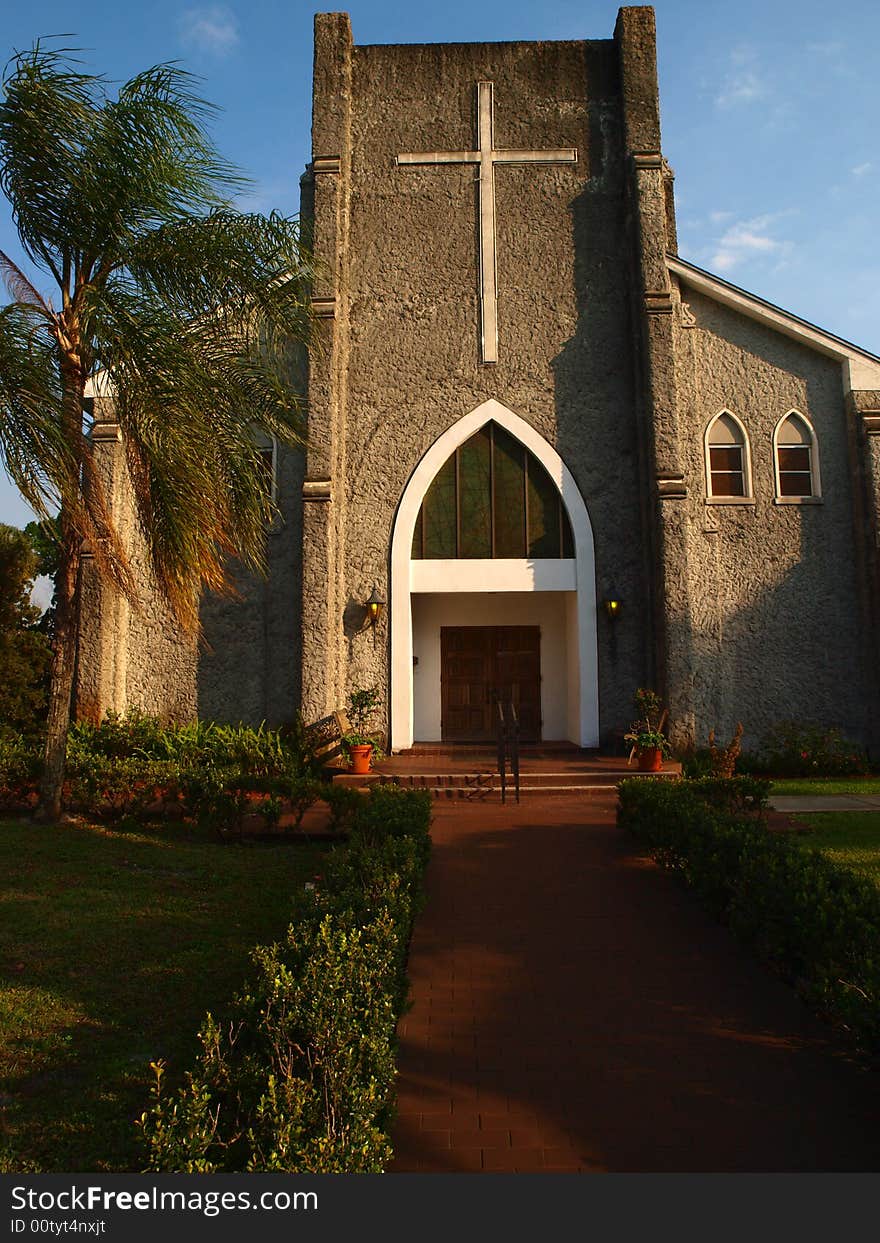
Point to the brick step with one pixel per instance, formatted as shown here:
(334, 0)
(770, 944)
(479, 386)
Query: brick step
(488, 784)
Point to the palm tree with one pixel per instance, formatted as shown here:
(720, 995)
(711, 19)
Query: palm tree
(187, 311)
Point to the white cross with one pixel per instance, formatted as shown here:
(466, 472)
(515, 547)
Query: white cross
(487, 157)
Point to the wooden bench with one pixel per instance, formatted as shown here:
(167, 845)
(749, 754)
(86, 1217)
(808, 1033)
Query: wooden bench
(324, 740)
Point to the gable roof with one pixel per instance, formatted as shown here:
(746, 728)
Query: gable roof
(861, 368)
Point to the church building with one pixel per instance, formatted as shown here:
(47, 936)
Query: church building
(561, 461)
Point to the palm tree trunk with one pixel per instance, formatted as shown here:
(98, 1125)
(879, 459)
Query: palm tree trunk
(63, 664)
(66, 592)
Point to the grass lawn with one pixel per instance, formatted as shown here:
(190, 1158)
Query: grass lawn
(826, 785)
(113, 945)
(851, 838)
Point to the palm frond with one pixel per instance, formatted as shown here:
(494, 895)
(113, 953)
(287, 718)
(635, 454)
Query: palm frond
(20, 287)
(195, 312)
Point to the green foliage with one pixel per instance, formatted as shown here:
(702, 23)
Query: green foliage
(343, 802)
(648, 706)
(187, 316)
(648, 740)
(743, 795)
(646, 732)
(19, 769)
(792, 749)
(124, 204)
(117, 737)
(298, 1077)
(361, 708)
(206, 744)
(104, 786)
(697, 763)
(816, 922)
(24, 650)
(133, 765)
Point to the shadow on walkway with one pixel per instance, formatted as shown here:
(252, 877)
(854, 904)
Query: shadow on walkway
(574, 1009)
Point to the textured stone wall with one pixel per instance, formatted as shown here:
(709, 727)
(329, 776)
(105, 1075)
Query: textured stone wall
(406, 328)
(129, 655)
(775, 631)
(250, 660)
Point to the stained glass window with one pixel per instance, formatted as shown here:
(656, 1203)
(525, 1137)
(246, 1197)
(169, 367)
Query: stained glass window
(492, 498)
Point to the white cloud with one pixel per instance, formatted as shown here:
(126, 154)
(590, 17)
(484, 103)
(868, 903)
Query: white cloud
(212, 30)
(830, 47)
(720, 217)
(750, 239)
(861, 169)
(742, 84)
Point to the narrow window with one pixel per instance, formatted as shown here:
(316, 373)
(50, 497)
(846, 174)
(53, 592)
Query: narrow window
(795, 458)
(727, 457)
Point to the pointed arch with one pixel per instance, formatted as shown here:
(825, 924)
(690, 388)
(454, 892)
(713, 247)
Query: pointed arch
(525, 575)
(796, 460)
(727, 455)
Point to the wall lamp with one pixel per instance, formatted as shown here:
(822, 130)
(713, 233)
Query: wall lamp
(374, 607)
(612, 608)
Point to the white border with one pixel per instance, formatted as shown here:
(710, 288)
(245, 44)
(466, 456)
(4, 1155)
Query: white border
(815, 477)
(584, 667)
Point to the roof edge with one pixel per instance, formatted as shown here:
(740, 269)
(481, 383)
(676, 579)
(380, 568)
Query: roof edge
(863, 366)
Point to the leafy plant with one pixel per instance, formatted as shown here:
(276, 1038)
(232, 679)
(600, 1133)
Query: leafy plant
(816, 922)
(298, 1075)
(794, 749)
(646, 732)
(24, 649)
(361, 708)
(723, 759)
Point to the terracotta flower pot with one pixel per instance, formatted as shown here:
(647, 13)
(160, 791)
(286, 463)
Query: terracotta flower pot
(650, 760)
(360, 758)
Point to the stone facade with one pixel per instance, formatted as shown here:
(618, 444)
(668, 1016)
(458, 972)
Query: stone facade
(609, 349)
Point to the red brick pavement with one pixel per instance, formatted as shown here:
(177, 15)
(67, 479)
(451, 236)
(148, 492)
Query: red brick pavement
(574, 1010)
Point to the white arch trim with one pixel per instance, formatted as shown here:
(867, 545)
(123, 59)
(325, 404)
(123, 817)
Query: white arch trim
(815, 476)
(586, 656)
(747, 456)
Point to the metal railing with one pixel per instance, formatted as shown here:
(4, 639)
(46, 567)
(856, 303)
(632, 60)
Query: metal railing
(508, 746)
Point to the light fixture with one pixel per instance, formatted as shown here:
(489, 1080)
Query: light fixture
(374, 607)
(612, 608)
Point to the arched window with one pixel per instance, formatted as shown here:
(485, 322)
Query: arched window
(492, 498)
(267, 449)
(728, 462)
(796, 459)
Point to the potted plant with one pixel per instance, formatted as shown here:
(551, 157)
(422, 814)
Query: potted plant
(649, 744)
(360, 745)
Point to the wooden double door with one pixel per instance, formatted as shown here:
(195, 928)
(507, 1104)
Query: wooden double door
(478, 666)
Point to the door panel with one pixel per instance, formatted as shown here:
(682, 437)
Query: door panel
(480, 664)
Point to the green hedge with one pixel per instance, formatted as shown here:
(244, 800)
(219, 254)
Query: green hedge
(299, 1075)
(816, 922)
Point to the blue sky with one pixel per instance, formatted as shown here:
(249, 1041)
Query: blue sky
(770, 113)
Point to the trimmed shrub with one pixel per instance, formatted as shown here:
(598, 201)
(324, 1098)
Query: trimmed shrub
(792, 749)
(817, 923)
(132, 765)
(298, 1077)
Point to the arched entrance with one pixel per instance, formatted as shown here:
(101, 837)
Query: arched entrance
(444, 593)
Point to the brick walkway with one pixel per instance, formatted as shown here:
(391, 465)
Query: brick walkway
(575, 1010)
